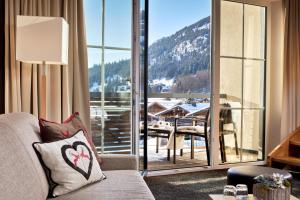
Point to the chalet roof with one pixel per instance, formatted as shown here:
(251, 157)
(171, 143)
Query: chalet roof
(151, 115)
(189, 108)
(194, 108)
(164, 102)
(197, 111)
(157, 103)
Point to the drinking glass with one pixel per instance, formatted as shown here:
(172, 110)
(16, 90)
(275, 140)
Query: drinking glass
(241, 192)
(229, 190)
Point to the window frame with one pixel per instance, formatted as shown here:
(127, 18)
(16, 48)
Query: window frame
(215, 79)
(216, 16)
(243, 59)
(102, 48)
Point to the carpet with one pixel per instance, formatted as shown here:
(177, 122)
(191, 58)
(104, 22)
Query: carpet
(197, 185)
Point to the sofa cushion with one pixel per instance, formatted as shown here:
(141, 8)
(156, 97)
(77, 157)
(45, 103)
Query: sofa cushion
(70, 164)
(119, 184)
(53, 131)
(22, 176)
(119, 162)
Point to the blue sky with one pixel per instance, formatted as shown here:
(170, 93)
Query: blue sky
(168, 16)
(165, 18)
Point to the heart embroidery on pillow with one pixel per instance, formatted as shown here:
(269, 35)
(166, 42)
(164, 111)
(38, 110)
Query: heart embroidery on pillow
(79, 157)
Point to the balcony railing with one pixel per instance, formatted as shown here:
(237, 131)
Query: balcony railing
(111, 123)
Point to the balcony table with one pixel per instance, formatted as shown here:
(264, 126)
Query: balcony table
(159, 132)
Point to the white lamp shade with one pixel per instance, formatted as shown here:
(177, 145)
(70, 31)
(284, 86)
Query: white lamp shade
(42, 39)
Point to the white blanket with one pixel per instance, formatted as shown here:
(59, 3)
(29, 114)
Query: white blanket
(180, 138)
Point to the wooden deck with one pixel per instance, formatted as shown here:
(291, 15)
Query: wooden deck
(158, 161)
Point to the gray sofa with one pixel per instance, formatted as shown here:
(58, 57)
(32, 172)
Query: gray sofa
(22, 176)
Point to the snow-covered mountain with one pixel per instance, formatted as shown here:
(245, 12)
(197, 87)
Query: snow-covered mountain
(186, 52)
(183, 53)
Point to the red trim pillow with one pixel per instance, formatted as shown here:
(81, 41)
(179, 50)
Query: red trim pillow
(53, 131)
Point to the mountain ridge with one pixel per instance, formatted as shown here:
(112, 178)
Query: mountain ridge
(184, 53)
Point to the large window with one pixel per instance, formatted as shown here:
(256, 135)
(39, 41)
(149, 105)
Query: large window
(108, 27)
(242, 79)
(175, 80)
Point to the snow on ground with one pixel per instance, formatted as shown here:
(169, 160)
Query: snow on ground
(153, 156)
(165, 102)
(164, 81)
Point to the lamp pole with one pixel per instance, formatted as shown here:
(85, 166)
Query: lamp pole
(43, 94)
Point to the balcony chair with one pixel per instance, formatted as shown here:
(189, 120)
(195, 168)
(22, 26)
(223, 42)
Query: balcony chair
(201, 128)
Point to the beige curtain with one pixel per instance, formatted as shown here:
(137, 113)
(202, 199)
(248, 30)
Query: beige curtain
(291, 71)
(66, 86)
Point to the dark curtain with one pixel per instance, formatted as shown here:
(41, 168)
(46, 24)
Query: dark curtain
(2, 54)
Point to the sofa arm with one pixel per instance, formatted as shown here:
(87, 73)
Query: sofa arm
(119, 162)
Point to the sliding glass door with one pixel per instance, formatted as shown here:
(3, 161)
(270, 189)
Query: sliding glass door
(178, 81)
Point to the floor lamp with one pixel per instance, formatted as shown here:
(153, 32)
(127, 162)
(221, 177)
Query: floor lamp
(44, 41)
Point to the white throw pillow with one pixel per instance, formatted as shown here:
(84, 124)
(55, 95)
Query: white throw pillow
(69, 164)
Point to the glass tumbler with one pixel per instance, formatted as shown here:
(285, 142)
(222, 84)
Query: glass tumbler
(229, 190)
(241, 192)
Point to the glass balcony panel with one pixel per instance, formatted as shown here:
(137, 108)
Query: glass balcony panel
(230, 135)
(117, 78)
(255, 26)
(231, 29)
(118, 18)
(252, 136)
(253, 83)
(93, 21)
(96, 111)
(94, 60)
(231, 82)
(117, 106)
